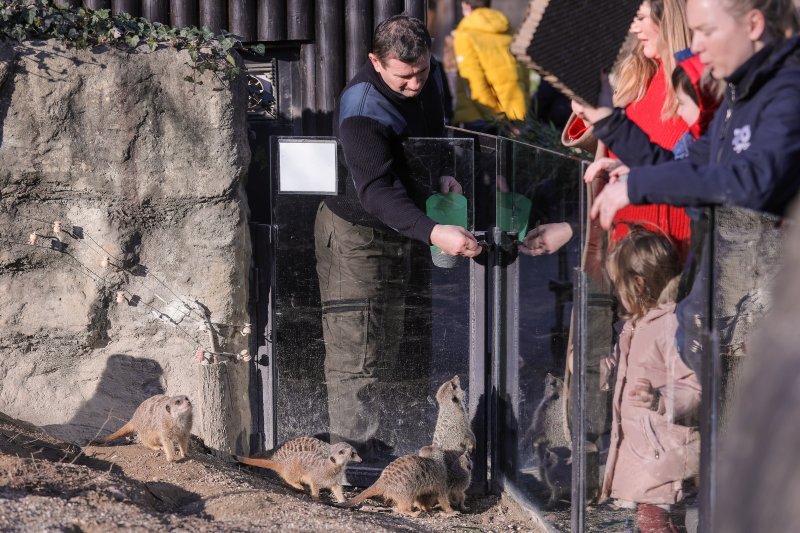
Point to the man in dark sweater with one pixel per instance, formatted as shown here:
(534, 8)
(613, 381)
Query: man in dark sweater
(361, 235)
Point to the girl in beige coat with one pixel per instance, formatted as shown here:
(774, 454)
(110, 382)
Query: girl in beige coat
(655, 443)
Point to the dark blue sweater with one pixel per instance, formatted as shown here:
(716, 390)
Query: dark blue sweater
(750, 155)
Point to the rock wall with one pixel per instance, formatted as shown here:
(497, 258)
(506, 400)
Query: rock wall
(144, 169)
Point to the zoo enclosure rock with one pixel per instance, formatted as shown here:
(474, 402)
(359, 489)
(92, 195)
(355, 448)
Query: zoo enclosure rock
(143, 166)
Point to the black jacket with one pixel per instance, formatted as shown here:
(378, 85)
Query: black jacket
(750, 155)
(371, 122)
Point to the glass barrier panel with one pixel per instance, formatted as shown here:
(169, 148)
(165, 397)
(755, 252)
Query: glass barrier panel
(362, 345)
(644, 337)
(745, 257)
(538, 214)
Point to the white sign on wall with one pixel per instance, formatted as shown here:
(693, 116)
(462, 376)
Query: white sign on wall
(307, 166)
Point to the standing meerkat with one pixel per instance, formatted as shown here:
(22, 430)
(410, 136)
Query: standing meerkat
(410, 479)
(316, 464)
(453, 430)
(454, 435)
(160, 422)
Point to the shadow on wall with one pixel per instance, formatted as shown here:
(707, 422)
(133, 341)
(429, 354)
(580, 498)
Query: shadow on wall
(125, 382)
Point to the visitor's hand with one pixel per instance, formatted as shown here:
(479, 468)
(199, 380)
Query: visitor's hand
(618, 172)
(644, 395)
(455, 240)
(449, 184)
(612, 198)
(590, 114)
(545, 239)
(600, 167)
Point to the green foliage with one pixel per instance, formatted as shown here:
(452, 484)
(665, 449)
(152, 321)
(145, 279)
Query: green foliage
(22, 20)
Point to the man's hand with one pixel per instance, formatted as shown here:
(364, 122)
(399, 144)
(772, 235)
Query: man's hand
(455, 240)
(600, 168)
(545, 239)
(613, 198)
(644, 395)
(449, 184)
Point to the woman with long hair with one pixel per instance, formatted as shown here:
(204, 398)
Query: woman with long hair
(643, 88)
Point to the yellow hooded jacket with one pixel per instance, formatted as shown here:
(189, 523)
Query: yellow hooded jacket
(490, 81)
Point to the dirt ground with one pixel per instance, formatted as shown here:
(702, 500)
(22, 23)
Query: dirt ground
(51, 485)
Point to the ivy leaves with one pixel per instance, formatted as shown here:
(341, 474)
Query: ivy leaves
(22, 20)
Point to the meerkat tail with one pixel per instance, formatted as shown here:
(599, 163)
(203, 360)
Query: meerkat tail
(371, 491)
(261, 463)
(125, 430)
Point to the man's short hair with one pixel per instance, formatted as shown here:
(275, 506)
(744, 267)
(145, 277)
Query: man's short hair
(475, 4)
(401, 37)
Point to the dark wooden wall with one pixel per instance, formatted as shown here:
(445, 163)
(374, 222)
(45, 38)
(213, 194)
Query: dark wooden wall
(266, 20)
(334, 36)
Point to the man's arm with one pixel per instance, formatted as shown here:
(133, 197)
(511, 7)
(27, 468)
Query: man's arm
(367, 149)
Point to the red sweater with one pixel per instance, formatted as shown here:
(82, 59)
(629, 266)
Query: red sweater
(646, 113)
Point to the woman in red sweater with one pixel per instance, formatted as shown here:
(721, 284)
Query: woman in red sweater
(643, 86)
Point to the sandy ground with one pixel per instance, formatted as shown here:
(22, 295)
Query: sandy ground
(51, 485)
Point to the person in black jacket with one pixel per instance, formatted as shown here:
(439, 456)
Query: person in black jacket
(360, 236)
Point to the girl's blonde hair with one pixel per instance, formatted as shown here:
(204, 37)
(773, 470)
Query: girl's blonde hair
(635, 71)
(781, 15)
(641, 266)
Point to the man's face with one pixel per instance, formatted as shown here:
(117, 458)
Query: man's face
(403, 78)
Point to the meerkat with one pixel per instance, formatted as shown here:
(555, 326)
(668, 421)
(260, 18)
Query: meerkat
(159, 422)
(548, 438)
(547, 426)
(410, 479)
(301, 444)
(459, 476)
(452, 425)
(318, 465)
(454, 435)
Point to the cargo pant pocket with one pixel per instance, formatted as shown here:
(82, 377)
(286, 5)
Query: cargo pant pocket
(347, 338)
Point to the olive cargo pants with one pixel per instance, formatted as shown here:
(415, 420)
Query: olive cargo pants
(362, 279)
